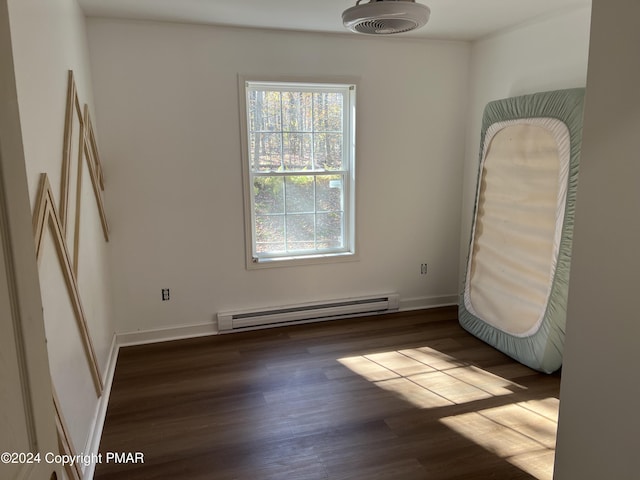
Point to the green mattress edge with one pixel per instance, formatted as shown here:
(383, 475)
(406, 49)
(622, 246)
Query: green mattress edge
(543, 349)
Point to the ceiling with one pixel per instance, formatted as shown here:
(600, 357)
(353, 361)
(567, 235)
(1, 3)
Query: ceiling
(450, 19)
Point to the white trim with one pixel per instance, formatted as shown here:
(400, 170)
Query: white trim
(305, 260)
(202, 330)
(425, 303)
(165, 334)
(95, 434)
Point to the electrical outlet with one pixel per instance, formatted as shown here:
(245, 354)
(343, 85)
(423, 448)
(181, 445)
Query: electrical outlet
(423, 269)
(165, 294)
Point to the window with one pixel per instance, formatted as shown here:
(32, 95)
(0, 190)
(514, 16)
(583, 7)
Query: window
(298, 153)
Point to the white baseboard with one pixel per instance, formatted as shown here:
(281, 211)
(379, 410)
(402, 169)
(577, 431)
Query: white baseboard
(201, 330)
(95, 435)
(166, 334)
(420, 303)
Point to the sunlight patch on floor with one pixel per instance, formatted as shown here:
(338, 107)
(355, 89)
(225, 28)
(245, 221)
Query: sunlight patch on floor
(428, 378)
(524, 434)
(413, 393)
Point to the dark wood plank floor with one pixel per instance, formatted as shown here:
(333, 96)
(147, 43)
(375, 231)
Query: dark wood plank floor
(405, 396)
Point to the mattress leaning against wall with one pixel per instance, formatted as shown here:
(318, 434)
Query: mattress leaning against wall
(517, 276)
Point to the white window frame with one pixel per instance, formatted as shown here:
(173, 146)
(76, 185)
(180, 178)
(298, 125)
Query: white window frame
(347, 251)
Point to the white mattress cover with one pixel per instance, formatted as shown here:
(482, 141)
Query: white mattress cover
(516, 240)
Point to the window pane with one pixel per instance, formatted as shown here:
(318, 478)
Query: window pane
(264, 111)
(328, 151)
(294, 132)
(327, 112)
(300, 232)
(265, 151)
(329, 193)
(269, 233)
(268, 194)
(296, 151)
(300, 194)
(297, 111)
(329, 230)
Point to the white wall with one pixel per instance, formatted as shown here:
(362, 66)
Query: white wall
(599, 423)
(48, 39)
(167, 103)
(549, 54)
(24, 365)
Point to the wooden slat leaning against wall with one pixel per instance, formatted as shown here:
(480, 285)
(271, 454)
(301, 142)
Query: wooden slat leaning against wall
(71, 170)
(80, 149)
(93, 145)
(46, 218)
(76, 152)
(64, 439)
(90, 149)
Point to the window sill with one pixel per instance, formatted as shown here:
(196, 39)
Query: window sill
(253, 264)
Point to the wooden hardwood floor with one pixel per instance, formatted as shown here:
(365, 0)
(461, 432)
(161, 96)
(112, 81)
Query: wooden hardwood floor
(405, 396)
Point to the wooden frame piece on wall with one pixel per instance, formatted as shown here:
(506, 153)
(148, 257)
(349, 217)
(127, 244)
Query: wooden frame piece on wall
(46, 217)
(90, 151)
(64, 440)
(71, 168)
(93, 145)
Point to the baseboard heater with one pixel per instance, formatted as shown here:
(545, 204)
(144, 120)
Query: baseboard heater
(305, 313)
